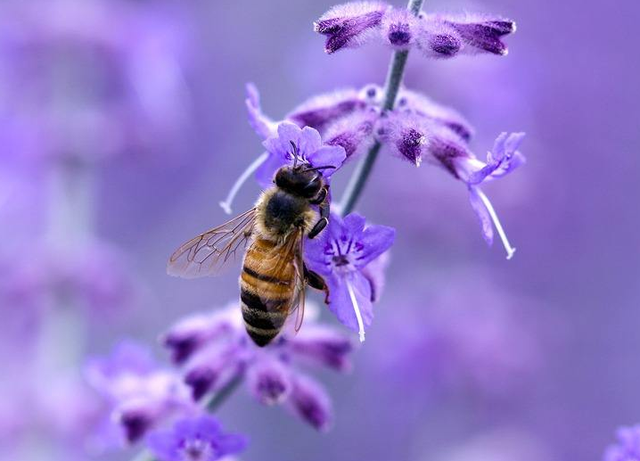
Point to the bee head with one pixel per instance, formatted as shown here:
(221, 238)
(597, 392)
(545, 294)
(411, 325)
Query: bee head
(299, 180)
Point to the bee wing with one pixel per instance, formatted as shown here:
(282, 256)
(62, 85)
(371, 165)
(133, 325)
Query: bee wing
(212, 251)
(301, 284)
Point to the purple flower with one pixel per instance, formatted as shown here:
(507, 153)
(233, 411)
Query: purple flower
(340, 255)
(354, 132)
(420, 105)
(481, 33)
(628, 446)
(437, 35)
(405, 135)
(295, 145)
(350, 24)
(271, 374)
(322, 110)
(311, 402)
(261, 124)
(399, 28)
(138, 393)
(503, 159)
(199, 438)
(437, 39)
(417, 129)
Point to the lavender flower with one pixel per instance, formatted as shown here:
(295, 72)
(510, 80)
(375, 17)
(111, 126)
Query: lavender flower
(200, 438)
(503, 159)
(481, 33)
(482, 338)
(138, 393)
(295, 145)
(340, 255)
(220, 351)
(628, 446)
(322, 110)
(351, 25)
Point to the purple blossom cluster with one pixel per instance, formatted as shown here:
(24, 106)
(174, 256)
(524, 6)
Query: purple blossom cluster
(351, 25)
(417, 129)
(213, 349)
(96, 276)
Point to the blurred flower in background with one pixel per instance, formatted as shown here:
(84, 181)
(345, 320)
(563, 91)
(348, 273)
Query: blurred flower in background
(468, 333)
(79, 83)
(96, 78)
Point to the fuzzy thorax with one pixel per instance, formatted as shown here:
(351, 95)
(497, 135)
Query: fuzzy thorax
(279, 213)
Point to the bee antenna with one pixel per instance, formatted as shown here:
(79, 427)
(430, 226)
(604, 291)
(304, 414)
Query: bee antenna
(325, 167)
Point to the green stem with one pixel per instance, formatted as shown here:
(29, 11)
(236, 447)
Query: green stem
(392, 86)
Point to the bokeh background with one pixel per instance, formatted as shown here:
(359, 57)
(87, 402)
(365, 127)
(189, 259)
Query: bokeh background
(470, 356)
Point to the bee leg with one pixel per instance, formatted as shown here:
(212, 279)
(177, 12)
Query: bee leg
(325, 211)
(317, 282)
(321, 197)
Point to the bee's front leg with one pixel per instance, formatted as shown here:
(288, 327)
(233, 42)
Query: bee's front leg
(315, 281)
(325, 211)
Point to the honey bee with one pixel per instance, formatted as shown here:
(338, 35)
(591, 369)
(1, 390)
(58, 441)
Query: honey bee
(274, 275)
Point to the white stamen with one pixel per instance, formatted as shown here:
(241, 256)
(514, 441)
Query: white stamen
(226, 204)
(356, 309)
(496, 223)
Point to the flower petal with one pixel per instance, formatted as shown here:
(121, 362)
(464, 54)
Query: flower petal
(311, 402)
(323, 345)
(261, 124)
(482, 213)
(375, 241)
(347, 25)
(340, 302)
(269, 381)
(320, 111)
(328, 156)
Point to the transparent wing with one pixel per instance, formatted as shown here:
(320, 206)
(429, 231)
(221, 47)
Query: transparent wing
(212, 251)
(301, 284)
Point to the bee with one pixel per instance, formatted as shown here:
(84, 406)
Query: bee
(271, 236)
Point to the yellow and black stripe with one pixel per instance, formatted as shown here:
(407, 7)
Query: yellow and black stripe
(267, 289)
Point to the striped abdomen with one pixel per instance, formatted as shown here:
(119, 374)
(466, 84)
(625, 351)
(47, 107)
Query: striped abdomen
(267, 287)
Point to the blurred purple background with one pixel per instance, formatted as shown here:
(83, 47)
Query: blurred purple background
(470, 356)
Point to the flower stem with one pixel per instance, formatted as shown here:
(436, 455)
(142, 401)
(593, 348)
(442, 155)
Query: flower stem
(392, 86)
